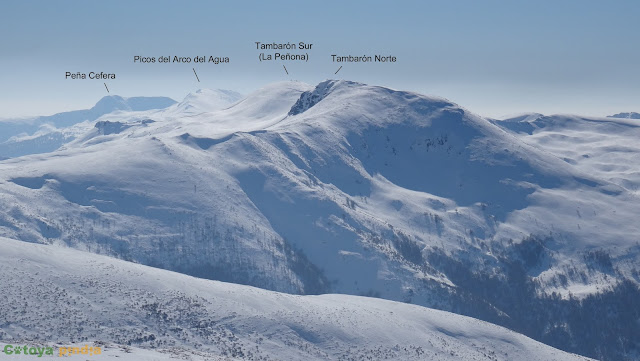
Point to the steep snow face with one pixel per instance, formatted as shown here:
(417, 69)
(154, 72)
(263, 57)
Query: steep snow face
(59, 295)
(390, 133)
(311, 98)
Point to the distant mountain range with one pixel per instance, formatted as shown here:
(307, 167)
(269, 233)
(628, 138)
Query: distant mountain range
(47, 133)
(106, 105)
(631, 115)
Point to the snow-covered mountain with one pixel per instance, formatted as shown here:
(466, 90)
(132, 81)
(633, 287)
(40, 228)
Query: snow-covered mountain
(628, 115)
(47, 133)
(73, 298)
(360, 190)
(206, 100)
(107, 104)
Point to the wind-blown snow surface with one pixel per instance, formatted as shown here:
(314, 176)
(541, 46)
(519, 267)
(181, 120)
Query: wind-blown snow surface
(604, 147)
(64, 295)
(347, 188)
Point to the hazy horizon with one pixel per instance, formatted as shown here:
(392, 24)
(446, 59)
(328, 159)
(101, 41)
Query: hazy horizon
(59, 108)
(493, 58)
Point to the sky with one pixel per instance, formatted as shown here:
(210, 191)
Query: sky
(495, 58)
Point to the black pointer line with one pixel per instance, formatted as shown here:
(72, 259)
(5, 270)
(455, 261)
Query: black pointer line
(338, 70)
(285, 69)
(105, 85)
(194, 71)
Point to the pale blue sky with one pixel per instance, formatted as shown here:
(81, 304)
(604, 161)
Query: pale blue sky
(492, 57)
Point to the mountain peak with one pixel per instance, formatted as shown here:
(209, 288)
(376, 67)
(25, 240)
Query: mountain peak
(310, 98)
(109, 104)
(206, 100)
(628, 115)
(522, 118)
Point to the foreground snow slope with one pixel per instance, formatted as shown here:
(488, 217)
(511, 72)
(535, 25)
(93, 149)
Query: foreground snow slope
(63, 295)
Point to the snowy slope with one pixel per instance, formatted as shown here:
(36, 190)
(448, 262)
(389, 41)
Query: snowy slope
(62, 295)
(605, 147)
(353, 189)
